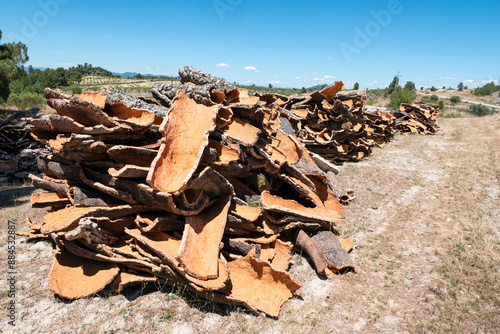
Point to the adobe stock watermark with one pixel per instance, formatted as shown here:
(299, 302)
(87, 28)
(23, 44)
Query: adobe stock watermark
(372, 29)
(223, 6)
(31, 27)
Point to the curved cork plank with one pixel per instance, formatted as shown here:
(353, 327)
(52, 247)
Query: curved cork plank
(224, 154)
(64, 124)
(96, 98)
(259, 285)
(242, 132)
(248, 213)
(124, 280)
(81, 111)
(166, 247)
(75, 277)
(68, 218)
(137, 119)
(346, 243)
(129, 171)
(278, 204)
(63, 219)
(186, 134)
(131, 155)
(199, 249)
(42, 200)
(330, 91)
(289, 146)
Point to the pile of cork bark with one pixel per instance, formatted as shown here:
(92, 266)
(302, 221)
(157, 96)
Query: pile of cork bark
(208, 188)
(18, 151)
(330, 122)
(417, 118)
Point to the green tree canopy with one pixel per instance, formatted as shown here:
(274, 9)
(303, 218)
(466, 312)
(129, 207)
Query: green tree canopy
(12, 58)
(393, 86)
(401, 96)
(356, 86)
(410, 85)
(460, 86)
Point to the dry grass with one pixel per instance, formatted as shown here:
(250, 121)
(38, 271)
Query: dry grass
(426, 225)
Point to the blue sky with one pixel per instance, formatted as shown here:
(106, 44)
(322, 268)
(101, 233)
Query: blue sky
(285, 43)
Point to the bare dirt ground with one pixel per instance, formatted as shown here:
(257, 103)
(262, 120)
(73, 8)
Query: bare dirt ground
(426, 224)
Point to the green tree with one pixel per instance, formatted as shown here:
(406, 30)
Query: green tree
(355, 86)
(409, 85)
(434, 97)
(401, 96)
(487, 89)
(393, 86)
(12, 58)
(460, 86)
(441, 105)
(433, 89)
(270, 86)
(303, 90)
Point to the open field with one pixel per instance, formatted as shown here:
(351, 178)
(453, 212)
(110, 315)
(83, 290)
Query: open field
(426, 224)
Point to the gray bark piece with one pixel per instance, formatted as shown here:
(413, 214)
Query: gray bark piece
(198, 77)
(329, 244)
(115, 95)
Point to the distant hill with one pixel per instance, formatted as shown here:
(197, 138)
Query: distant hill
(132, 74)
(318, 87)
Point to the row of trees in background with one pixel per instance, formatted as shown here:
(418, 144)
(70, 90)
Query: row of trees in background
(487, 89)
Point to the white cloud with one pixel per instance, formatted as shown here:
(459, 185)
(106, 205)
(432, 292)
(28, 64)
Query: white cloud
(325, 78)
(297, 77)
(250, 68)
(222, 65)
(447, 78)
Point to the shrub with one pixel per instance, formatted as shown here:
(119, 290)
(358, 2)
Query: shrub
(434, 97)
(433, 89)
(481, 110)
(441, 105)
(455, 99)
(76, 90)
(401, 96)
(26, 100)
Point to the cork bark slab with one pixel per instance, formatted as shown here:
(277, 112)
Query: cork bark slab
(137, 119)
(259, 285)
(96, 98)
(330, 91)
(166, 247)
(248, 213)
(199, 249)
(124, 280)
(132, 155)
(75, 277)
(278, 204)
(224, 154)
(83, 112)
(68, 218)
(186, 134)
(129, 171)
(64, 124)
(41, 200)
(242, 132)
